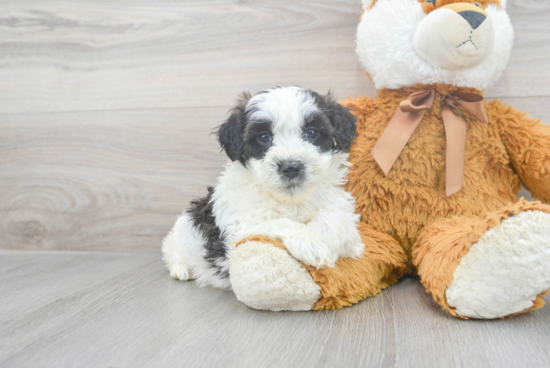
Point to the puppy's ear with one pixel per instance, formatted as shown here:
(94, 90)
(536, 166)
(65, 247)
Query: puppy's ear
(343, 123)
(231, 133)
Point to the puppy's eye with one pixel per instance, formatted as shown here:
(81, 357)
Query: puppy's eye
(265, 138)
(312, 134)
(478, 5)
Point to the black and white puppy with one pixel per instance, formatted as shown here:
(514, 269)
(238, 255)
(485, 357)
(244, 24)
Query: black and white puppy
(288, 149)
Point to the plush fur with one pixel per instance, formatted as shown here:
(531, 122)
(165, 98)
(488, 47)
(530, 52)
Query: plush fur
(265, 276)
(412, 196)
(266, 286)
(456, 244)
(516, 272)
(510, 150)
(409, 202)
(443, 245)
(288, 150)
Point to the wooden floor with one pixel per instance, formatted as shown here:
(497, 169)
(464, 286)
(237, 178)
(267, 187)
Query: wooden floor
(106, 107)
(105, 309)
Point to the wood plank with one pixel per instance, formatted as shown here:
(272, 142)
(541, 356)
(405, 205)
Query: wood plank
(103, 180)
(129, 55)
(80, 309)
(427, 337)
(59, 275)
(527, 71)
(87, 55)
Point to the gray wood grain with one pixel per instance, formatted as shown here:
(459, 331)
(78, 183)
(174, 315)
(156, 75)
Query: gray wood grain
(103, 180)
(427, 337)
(83, 309)
(89, 55)
(134, 55)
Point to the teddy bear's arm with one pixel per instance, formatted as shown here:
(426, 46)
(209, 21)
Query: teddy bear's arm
(304, 241)
(527, 142)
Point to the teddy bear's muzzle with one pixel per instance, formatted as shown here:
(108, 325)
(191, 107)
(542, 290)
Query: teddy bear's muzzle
(455, 36)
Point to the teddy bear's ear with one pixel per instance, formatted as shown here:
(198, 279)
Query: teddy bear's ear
(231, 133)
(367, 4)
(343, 123)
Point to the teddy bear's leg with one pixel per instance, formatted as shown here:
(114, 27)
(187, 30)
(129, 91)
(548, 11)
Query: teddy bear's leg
(489, 267)
(265, 276)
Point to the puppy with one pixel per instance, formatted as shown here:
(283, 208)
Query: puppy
(288, 150)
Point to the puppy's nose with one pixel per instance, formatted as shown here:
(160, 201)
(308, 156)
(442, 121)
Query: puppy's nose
(473, 17)
(291, 169)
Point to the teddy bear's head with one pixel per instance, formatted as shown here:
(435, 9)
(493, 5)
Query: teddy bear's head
(464, 43)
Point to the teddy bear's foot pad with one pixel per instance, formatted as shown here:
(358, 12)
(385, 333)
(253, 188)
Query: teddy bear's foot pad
(504, 272)
(269, 278)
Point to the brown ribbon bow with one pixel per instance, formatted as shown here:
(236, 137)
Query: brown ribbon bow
(407, 118)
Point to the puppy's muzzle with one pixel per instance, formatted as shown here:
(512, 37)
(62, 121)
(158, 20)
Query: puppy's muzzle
(290, 169)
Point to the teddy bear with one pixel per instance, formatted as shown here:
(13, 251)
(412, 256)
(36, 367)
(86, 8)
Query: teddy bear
(435, 173)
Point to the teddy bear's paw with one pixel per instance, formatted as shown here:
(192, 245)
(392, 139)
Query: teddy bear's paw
(505, 271)
(268, 278)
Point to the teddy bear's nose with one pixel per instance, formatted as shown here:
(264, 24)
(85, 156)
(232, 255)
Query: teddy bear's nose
(473, 18)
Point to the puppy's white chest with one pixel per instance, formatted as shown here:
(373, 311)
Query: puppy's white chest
(302, 213)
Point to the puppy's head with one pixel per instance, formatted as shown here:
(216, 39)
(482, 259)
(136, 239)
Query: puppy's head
(290, 139)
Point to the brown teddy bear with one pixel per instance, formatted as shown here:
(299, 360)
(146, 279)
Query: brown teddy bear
(436, 170)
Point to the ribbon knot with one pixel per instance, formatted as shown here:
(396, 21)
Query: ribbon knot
(407, 118)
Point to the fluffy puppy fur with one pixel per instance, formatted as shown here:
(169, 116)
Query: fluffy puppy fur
(288, 150)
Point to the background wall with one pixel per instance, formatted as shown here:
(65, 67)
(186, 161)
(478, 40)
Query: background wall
(106, 106)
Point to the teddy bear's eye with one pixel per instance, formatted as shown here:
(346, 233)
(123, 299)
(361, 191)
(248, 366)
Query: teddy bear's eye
(430, 2)
(478, 5)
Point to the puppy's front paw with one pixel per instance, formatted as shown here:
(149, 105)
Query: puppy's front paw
(311, 251)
